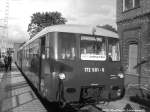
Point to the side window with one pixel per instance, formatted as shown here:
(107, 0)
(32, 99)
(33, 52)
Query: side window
(34, 55)
(113, 49)
(47, 47)
(51, 45)
(43, 47)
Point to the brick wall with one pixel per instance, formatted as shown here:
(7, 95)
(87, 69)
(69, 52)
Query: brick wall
(143, 9)
(134, 26)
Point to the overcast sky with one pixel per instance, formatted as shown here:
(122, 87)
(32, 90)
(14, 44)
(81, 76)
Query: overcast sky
(89, 12)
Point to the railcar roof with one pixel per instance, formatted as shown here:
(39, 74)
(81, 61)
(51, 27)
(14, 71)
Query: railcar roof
(80, 29)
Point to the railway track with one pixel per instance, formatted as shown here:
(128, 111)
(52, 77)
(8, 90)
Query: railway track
(118, 106)
(87, 108)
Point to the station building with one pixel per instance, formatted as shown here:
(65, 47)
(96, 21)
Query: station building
(133, 23)
(5, 47)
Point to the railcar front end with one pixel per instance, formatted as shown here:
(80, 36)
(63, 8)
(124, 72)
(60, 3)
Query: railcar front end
(86, 69)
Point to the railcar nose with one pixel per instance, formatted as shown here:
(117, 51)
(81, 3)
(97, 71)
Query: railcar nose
(91, 79)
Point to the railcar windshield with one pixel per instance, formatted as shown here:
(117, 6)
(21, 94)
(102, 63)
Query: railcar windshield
(67, 49)
(113, 49)
(93, 48)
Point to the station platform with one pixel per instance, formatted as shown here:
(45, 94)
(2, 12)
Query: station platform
(16, 95)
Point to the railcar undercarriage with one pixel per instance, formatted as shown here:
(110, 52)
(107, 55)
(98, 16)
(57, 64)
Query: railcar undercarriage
(91, 94)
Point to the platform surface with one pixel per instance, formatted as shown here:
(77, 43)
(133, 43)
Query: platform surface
(16, 95)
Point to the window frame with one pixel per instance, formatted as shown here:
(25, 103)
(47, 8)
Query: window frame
(119, 54)
(105, 42)
(60, 37)
(133, 5)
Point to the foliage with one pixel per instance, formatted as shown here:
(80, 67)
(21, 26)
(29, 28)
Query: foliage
(108, 27)
(42, 20)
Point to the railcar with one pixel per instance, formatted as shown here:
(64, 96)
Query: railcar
(74, 64)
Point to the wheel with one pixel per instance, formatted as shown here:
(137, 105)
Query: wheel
(122, 92)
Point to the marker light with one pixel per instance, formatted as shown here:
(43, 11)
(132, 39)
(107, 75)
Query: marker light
(118, 92)
(62, 76)
(121, 75)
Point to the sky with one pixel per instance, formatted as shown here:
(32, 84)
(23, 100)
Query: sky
(87, 12)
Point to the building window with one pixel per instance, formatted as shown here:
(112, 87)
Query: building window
(137, 3)
(130, 4)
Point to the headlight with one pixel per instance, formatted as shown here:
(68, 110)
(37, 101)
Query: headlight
(118, 92)
(121, 75)
(62, 76)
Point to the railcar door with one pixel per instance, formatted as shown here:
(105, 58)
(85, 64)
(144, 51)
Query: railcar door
(19, 58)
(133, 54)
(45, 66)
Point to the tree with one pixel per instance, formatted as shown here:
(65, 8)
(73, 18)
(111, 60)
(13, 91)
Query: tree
(108, 27)
(42, 20)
